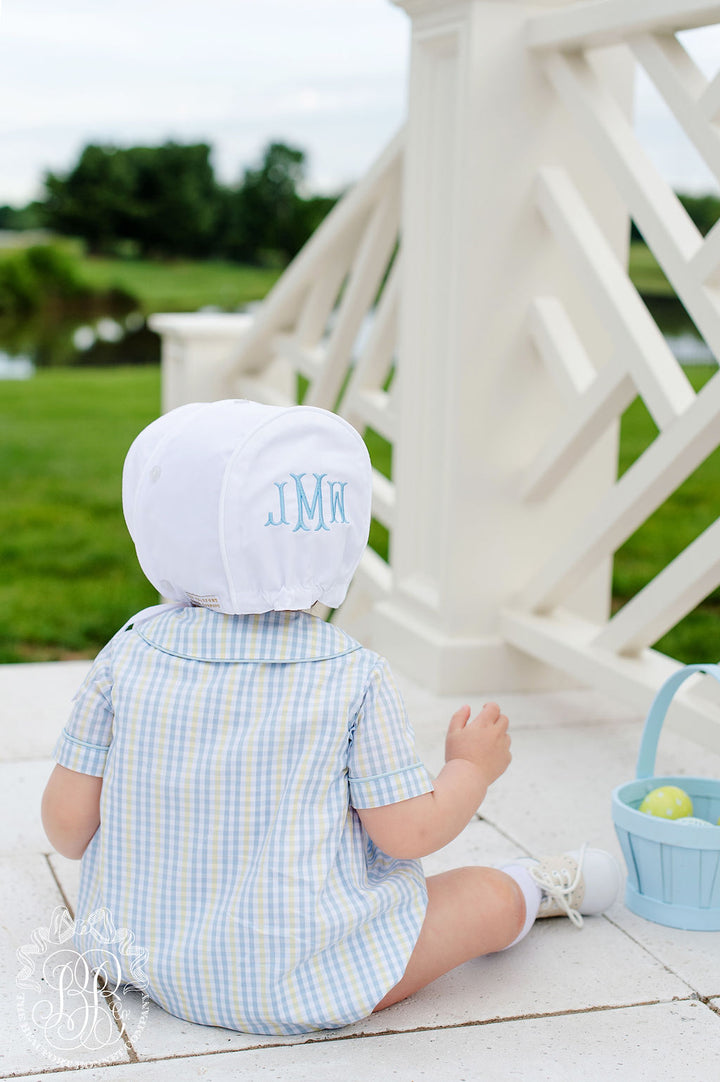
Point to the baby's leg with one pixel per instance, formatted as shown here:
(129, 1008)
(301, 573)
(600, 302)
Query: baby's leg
(471, 912)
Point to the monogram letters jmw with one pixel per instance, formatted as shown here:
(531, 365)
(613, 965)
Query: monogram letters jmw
(327, 498)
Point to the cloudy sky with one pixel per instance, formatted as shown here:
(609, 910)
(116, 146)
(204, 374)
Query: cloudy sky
(326, 75)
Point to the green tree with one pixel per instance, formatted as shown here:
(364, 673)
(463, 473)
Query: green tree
(31, 277)
(94, 199)
(703, 209)
(265, 218)
(19, 218)
(165, 199)
(175, 208)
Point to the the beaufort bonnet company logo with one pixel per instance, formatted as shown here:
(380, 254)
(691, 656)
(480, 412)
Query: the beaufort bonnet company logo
(75, 1006)
(326, 503)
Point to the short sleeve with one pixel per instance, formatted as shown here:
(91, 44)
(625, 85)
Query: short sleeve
(84, 742)
(383, 764)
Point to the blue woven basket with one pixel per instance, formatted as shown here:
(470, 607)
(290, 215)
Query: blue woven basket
(673, 867)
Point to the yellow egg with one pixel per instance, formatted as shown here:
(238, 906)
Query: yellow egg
(667, 802)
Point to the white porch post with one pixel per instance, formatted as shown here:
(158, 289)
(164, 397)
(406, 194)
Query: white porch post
(195, 352)
(477, 400)
(199, 360)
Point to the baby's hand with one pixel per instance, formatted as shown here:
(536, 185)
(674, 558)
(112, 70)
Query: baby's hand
(484, 741)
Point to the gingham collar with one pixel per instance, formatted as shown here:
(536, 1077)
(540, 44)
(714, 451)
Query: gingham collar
(276, 637)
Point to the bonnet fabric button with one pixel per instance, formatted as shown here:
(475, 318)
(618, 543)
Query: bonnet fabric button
(155, 473)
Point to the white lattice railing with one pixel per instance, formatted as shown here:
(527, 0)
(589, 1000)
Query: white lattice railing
(349, 278)
(616, 654)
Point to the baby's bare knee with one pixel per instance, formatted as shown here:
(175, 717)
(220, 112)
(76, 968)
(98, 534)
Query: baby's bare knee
(508, 902)
(499, 904)
(483, 907)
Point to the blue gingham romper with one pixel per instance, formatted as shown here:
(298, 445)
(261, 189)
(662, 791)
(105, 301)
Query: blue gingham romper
(233, 751)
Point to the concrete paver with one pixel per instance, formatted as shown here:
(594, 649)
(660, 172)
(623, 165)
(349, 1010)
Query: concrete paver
(555, 970)
(640, 1044)
(28, 897)
(21, 787)
(42, 700)
(693, 956)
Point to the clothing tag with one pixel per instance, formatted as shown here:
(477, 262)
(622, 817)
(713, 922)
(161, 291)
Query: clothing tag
(206, 601)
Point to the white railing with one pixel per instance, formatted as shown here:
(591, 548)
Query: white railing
(519, 123)
(616, 655)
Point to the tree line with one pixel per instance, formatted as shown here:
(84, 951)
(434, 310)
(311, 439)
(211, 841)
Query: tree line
(165, 202)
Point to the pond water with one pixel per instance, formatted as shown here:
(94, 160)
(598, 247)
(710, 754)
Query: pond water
(117, 336)
(59, 339)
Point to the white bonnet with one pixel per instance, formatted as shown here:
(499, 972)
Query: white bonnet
(246, 508)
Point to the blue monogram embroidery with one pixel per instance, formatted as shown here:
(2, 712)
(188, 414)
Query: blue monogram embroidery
(337, 501)
(303, 503)
(310, 508)
(282, 521)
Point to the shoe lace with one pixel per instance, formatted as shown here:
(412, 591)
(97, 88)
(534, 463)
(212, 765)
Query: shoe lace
(559, 885)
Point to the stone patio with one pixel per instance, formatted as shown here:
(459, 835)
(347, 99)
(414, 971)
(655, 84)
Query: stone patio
(622, 998)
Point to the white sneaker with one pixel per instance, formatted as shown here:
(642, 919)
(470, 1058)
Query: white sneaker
(582, 881)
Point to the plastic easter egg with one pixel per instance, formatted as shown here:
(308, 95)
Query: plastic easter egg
(668, 802)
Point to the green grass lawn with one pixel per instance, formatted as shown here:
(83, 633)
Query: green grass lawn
(691, 509)
(70, 577)
(182, 286)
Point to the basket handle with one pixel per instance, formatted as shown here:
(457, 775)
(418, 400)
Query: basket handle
(657, 712)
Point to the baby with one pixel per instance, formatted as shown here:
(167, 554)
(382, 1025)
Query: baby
(240, 777)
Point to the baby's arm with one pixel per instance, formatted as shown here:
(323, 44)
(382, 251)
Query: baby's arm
(71, 810)
(475, 755)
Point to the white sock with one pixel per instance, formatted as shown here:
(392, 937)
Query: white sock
(531, 893)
